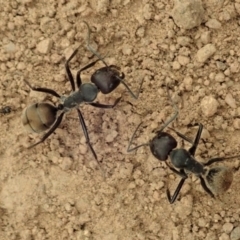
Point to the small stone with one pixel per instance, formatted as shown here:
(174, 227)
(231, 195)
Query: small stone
(66, 163)
(188, 14)
(209, 106)
(110, 137)
(176, 65)
(10, 47)
(140, 32)
(188, 83)
(230, 100)
(102, 6)
(183, 41)
(183, 60)
(49, 25)
(221, 65)
(235, 234)
(21, 66)
(59, 77)
(148, 11)
(213, 23)
(224, 236)
(67, 207)
(205, 53)
(227, 227)
(45, 46)
(236, 123)
(234, 67)
(205, 37)
(127, 49)
(237, 7)
(219, 77)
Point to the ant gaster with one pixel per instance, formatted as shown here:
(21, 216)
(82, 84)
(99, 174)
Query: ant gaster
(214, 180)
(39, 117)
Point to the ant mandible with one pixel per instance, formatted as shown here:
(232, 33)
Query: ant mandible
(41, 116)
(214, 180)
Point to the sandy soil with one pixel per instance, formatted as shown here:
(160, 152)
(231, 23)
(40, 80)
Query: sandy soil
(55, 190)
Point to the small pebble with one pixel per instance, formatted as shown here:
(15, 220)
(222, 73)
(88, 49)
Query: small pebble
(230, 100)
(213, 23)
(236, 123)
(235, 234)
(45, 46)
(188, 14)
(227, 227)
(205, 52)
(209, 106)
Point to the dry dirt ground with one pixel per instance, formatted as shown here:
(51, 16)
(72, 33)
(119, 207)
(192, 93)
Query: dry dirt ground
(55, 190)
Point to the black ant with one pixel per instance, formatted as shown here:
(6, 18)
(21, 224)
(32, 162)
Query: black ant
(39, 117)
(214, 180)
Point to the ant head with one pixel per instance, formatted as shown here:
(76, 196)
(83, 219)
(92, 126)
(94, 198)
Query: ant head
(161, 145)
(219, 179)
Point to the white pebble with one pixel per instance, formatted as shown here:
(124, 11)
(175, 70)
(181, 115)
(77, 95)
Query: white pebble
(10, 47)
(205, 52)
(236, 123)
(127, 49)
(183, 60)
(227, 227)
(188, 14)
(213, 23)
(66, 163)
(224, 236)
(176, 65)
(235, 234)
(206, 37)
(230, 100)
(209, 106)
(188, 83)
(183, 41)
(45, 46)
(110, 137)
(219, 77)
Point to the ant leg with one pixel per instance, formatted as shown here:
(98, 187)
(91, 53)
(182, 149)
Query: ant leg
(184, 176)
(174, 116)
(79, 80)
(219, 159)
(85, 131)
(194, 143)
(45, 90)
(100, 105)
(193, 149)
(182, 136)
(51, 130)
(68, 71)
(204, 186)
(130, 142)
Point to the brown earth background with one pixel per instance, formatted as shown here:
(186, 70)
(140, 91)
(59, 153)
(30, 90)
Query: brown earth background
(55, 190)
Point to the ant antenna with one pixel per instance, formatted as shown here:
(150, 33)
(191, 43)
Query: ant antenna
(174, 116)
(90, 48)
(165, 125)
(120, 78)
